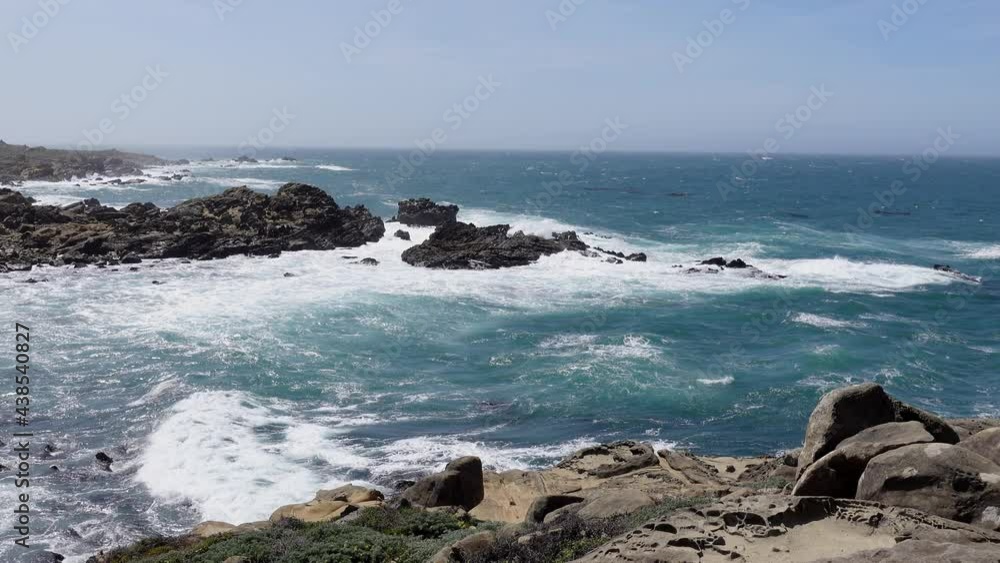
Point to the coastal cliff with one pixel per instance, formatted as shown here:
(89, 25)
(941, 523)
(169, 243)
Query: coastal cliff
(875, 480)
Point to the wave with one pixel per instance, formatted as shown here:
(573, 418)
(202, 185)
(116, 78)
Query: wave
(237, 457)
(820, 321)
(726, 380)
(982, 252)
(334, 168)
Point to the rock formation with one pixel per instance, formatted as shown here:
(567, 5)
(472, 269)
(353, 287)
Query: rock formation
(237, 221)
(422, 212)
(465, 246)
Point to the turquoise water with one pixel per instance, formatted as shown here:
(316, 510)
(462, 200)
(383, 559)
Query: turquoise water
(231, 389)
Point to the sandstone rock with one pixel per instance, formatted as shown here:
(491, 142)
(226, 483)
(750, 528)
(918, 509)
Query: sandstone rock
(615, 503)
(791, 457)
(314, 511)
(468, 548)
(836, 474)
(460, 484)
(212, 528)
(776, 528)
(922, 551)
(940, 479)
(609, 460)
(350, 493)
(985, 443)
(423, 212)
(543, 505)
(844, 412)
(966, 427)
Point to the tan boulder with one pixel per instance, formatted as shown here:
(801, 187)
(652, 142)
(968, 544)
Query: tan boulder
(314, 511)
(985, 443)
(836, 474)
(212, 528)
(940, 479)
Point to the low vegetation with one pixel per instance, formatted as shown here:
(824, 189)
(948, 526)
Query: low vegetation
(380, 535)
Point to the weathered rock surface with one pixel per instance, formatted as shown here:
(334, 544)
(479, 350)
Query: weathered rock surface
(940, 479)
(460, 484)
(465, 246)
(844, 412)
(774, 528)
(923, 551)
(422, 212)
(985, 443)
(330, 505)
(237, 221)
(836, 474)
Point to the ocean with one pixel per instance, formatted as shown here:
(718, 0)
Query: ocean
(231, 389)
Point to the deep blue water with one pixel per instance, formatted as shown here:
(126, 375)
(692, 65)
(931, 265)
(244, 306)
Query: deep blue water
(230, 389)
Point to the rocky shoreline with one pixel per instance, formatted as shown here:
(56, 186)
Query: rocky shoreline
(20, 163)
(875, 480)
(297, 217)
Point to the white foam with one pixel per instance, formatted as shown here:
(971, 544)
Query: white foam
(208, 450)
(983, 252)
(726, 380)
(820, 321)
(156, 392)
(334, 168)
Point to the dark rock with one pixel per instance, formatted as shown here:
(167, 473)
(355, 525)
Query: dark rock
(104, 461)
(460, 484)
(289, 275)
(401, 234)
(737, 263)
(423, 212)
(237, 221)
(246, 159)
(368, 262)
(717, 261)
(465, 246)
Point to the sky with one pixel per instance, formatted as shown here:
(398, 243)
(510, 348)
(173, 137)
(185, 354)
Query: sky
(817, 76)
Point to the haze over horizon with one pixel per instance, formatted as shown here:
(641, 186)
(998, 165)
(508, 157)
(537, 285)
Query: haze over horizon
(822, 76)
